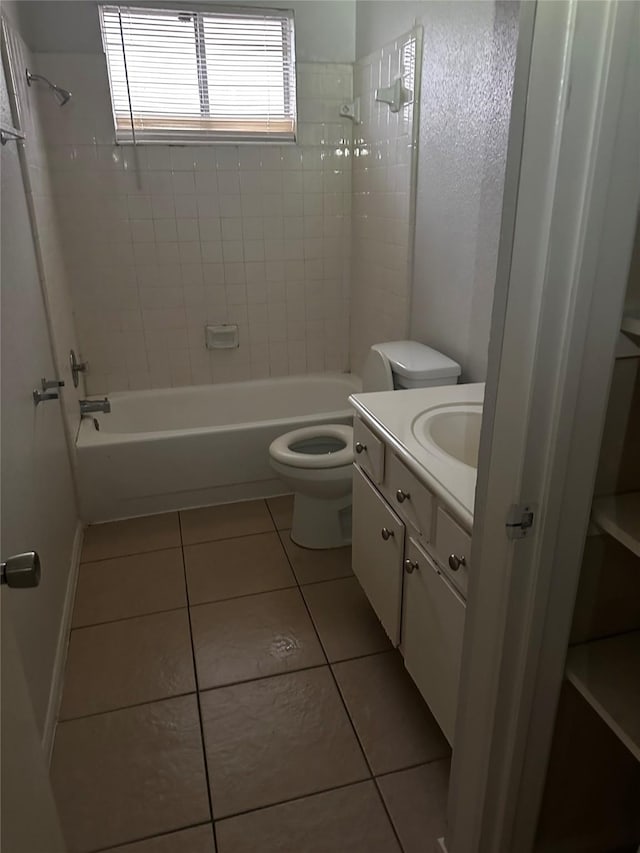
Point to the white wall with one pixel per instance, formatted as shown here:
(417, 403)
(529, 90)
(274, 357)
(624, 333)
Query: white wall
(325, 29)
(468, 63)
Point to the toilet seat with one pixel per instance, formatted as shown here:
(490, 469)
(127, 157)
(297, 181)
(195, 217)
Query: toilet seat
(281, 448)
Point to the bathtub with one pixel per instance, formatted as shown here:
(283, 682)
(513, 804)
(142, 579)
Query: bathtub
(175, 448)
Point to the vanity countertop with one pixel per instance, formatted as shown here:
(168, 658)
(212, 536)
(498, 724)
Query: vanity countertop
(394, 413)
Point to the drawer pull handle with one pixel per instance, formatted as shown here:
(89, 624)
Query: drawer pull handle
(401, 496)
(455, 562)
(410, 566)
(360, 447)
(386, 533)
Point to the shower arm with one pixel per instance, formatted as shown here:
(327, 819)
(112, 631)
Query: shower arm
(63, 95)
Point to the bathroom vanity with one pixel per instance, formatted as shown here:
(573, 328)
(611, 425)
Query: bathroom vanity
(414, 481)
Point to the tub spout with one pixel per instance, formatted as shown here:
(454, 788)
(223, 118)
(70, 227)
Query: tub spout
(87, 407)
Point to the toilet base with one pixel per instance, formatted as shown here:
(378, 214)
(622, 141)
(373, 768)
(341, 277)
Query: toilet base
(321, 523)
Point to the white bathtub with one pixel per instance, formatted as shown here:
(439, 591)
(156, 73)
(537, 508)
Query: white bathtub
(173, 448)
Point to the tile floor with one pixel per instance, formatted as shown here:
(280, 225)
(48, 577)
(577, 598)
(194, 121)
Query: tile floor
(229, 691)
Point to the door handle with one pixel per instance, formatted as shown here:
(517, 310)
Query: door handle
(21, 571)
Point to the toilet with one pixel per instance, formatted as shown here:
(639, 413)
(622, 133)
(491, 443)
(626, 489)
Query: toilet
(315, 462)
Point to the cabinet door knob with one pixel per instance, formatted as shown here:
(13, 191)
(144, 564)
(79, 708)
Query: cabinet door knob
(360, 447)
(455, 562)
(410, 566)
(386, 533)
(401, 496)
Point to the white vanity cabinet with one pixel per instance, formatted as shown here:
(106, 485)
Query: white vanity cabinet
(377, 553)
(432, 631)
(409, 555)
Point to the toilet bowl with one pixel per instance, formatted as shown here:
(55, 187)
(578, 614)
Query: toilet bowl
(315, 462)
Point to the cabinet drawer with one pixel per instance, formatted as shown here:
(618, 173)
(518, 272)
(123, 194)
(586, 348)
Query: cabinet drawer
(368, 450)
(409, 497)
(377, 551)
(432, 633)
(453, 542)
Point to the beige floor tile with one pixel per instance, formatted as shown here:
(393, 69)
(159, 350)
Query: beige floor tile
(276, 739)
(130, 774)
(347, 820)
(417, 802)
(196, 839)
(129, 586)
(243, 566)
(347, 625)
(133, 536)
(225, 521)
(394, 725)
(253, 636)
(281, 509)
(125, 663)
(311, 566)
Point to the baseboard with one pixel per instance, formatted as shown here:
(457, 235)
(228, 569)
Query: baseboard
(55, 693)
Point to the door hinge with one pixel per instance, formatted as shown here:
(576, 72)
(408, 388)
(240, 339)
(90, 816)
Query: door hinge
(519, 521)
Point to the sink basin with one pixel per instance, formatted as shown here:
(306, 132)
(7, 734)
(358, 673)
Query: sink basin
(451, 432)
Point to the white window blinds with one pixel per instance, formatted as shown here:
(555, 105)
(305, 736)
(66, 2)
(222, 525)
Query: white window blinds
(190, 76)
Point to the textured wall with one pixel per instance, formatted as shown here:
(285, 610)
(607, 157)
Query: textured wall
(382, 213)
(467, 79)
(160, 241)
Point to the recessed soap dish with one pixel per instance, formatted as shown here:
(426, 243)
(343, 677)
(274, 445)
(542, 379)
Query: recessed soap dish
(225, 336)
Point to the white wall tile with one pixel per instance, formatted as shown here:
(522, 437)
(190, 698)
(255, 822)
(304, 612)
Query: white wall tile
(171, 236)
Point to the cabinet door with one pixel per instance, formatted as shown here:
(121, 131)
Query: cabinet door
(377, 548)
(409, 497)
(432, 630)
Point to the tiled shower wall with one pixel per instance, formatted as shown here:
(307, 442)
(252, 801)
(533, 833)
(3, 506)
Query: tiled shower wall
(47, 236)
(160, 241)
(383, 216)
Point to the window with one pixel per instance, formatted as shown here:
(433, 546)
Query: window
(192, 76)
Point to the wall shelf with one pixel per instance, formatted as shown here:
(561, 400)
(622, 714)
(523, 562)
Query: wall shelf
(619, 516)
(605, 673)
(631, 321)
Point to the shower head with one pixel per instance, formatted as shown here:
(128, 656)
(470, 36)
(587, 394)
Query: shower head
(61, 95)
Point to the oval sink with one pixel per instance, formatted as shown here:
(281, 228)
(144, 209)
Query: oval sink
(451, 431)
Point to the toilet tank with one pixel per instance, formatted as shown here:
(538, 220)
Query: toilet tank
(414, 365)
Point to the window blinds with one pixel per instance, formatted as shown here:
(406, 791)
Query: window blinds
(191, 76)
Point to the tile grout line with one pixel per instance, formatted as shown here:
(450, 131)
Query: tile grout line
(128, 618)
(357, 736)
(127, 707)
(151, 837)
(181, 546)
(306, 606)
(198, 703)
(346, 709)
(341, 787)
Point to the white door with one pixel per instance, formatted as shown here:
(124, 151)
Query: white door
(37, 512)
(28, 818)
(572, 192)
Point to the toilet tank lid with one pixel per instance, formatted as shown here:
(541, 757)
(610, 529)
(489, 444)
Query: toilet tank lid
(417, 361)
